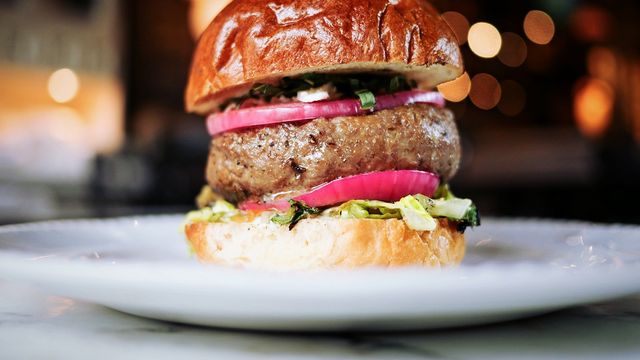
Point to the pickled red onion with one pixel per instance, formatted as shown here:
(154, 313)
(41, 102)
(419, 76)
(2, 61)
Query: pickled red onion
(297, 111)
(383, 185)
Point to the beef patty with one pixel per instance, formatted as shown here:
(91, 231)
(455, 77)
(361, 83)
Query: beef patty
(291, 157)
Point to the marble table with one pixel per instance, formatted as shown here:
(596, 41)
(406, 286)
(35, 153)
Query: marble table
(34, 324)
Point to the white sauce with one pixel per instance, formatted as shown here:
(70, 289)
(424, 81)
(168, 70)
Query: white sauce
(323, 92)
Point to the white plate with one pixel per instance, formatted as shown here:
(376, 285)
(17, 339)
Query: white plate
(141, 266)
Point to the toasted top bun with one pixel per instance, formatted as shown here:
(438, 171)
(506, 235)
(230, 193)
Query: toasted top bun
(265, 40)
(325, 242)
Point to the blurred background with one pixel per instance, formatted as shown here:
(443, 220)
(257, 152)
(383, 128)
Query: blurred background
(92, 120)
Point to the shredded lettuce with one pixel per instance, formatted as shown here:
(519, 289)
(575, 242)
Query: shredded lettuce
(408, 208)
(366, 209)
(220, 211)
(418, 211)
(415, 215)
(466, 212)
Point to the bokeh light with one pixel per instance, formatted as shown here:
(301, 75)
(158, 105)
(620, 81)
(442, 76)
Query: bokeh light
(485, 91)
(484, 40)
(513, 99)
(63, 85)
(458, 23)
(456, 90)
(602, 63)
(593, 106)
(514, 50)
(539, 27)
(591, 23)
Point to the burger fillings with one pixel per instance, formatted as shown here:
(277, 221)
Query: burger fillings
(348, 142)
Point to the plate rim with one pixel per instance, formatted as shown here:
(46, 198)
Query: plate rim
(591, 284)
(65, 224)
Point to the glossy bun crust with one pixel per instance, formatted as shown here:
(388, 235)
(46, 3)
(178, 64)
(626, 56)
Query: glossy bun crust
(265, 40)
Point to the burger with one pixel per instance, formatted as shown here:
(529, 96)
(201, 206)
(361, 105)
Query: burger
(330, 145)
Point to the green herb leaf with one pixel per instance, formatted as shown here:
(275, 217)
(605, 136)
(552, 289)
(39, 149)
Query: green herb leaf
(355, 84)
(265, 90)
(296, 212)
(367, 99)
(395, 83)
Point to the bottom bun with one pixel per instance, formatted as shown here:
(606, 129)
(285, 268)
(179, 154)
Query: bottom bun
(325, 242)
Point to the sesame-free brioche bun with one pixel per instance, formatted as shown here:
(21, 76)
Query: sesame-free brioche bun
(325, 242)
(262, 41)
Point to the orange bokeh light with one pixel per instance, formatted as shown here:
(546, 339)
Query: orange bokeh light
(593, 106)
(456, 90)
(539, 27)
(458, 23)
(514, 50)
(485, 91)
(63, 85)
(201, 12)
(591, 23)
(602, 63)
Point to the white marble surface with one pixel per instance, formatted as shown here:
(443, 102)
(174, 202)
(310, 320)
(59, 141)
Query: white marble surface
(38, 325)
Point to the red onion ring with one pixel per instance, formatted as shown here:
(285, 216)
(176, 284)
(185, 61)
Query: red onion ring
(389, 186)
(298, 111)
